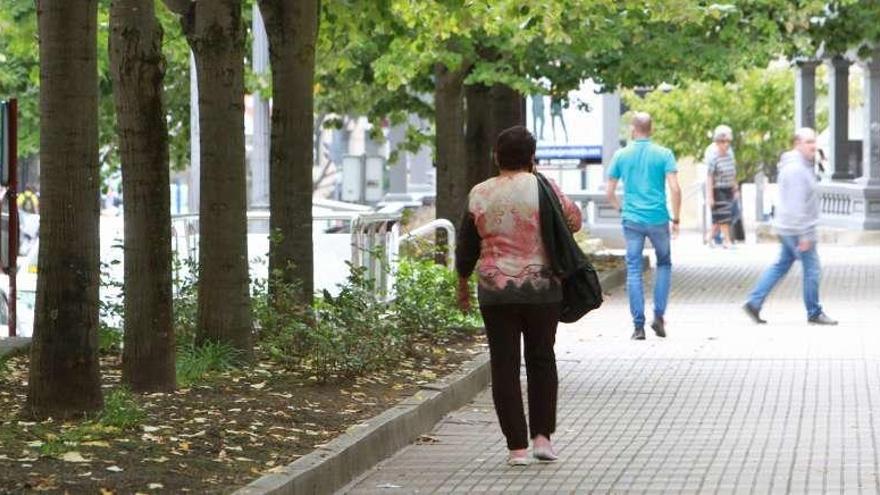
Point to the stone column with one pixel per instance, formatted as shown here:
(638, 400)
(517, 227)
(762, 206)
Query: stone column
(871, 140)
(259, 162)
(398, 172)
(805, 94)
(838, 117)
(610, 126)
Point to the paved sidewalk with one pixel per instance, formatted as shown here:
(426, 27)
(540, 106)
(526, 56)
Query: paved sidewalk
(721, 406)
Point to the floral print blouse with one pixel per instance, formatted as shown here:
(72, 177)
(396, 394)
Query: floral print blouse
(500, 236)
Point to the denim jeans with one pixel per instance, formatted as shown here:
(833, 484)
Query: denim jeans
(635, 234)
(787, 256)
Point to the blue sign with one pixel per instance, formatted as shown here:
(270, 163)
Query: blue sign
(587, 153)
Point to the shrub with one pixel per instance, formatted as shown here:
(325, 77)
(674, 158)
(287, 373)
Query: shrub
(186, 291)
(111, 311)
(426, 303)
(338, 337)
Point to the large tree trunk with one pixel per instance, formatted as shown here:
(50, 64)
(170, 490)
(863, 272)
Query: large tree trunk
(490, 110)
(215, 33)
(138, 69)
(292, 28)
(64, 375)
(508, 109)
(450, 157)
(478, 139)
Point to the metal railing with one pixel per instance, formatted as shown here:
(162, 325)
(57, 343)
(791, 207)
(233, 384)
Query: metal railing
(375, 239)
(431, 228)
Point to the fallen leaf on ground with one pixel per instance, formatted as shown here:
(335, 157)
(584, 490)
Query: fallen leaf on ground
(115, 469)
(73, 456)
(96, 443)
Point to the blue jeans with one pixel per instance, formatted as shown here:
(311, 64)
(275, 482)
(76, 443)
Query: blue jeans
(787, 256)
(635, 234)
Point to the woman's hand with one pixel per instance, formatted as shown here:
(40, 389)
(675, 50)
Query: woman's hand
(464, 295)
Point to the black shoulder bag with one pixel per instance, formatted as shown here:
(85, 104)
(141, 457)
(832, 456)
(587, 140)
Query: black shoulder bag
(581, 290)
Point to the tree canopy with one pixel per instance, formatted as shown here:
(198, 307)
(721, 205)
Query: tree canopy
(758, 105)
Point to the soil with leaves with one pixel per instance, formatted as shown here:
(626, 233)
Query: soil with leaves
(220, 433)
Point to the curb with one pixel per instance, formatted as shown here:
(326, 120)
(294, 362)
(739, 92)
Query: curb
(359, 449)
(617, 277)
(613, 279)
(331, 467)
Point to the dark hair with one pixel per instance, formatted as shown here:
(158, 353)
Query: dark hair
(515, 148)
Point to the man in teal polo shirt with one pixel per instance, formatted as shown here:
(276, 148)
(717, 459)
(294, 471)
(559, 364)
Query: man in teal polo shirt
(646, 169)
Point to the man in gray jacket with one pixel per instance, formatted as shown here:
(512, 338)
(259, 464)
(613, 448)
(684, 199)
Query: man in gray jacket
(796, 218)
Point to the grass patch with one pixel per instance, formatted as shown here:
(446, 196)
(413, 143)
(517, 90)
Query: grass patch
(195, 362)
(121, 410)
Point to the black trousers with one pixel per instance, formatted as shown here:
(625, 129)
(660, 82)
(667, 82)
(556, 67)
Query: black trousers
(537, 325)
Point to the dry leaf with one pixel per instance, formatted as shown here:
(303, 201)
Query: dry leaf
(115, 469)
(96, 443)
(73, 456)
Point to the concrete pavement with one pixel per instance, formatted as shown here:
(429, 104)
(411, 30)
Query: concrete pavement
(721, 406)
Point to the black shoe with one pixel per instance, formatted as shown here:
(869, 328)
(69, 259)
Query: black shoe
(822, 319)
(638, 334)
(659, 326)
(754, 314)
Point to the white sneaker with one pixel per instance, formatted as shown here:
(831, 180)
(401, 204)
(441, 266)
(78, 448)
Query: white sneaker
(545, 454)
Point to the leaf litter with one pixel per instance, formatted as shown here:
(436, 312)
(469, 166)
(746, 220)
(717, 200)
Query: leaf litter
(210, 437)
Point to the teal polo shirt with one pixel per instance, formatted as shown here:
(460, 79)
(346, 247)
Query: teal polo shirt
(642, 167)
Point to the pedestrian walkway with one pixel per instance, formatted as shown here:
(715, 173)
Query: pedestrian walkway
(721, 406)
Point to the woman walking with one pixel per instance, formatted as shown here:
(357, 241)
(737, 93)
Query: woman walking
(721, 187)
(500, 236)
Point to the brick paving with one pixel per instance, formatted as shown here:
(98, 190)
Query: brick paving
(721, 406)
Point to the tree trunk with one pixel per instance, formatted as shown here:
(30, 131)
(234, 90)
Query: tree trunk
(507, 110)
(478, 139)
(138, 69)
(215, 33)
(292, 28)
(489, 111)
(64, 372)
(450, 157)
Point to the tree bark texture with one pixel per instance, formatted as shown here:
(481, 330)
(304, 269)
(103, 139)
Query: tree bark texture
(292, 29)
(64, 372)
(450, 157)
(138, 69)
(478, 138)
(215, 34)
(507, 109)
(490, 110)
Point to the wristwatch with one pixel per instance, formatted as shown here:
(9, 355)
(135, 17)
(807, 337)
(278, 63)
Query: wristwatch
(675, 221)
